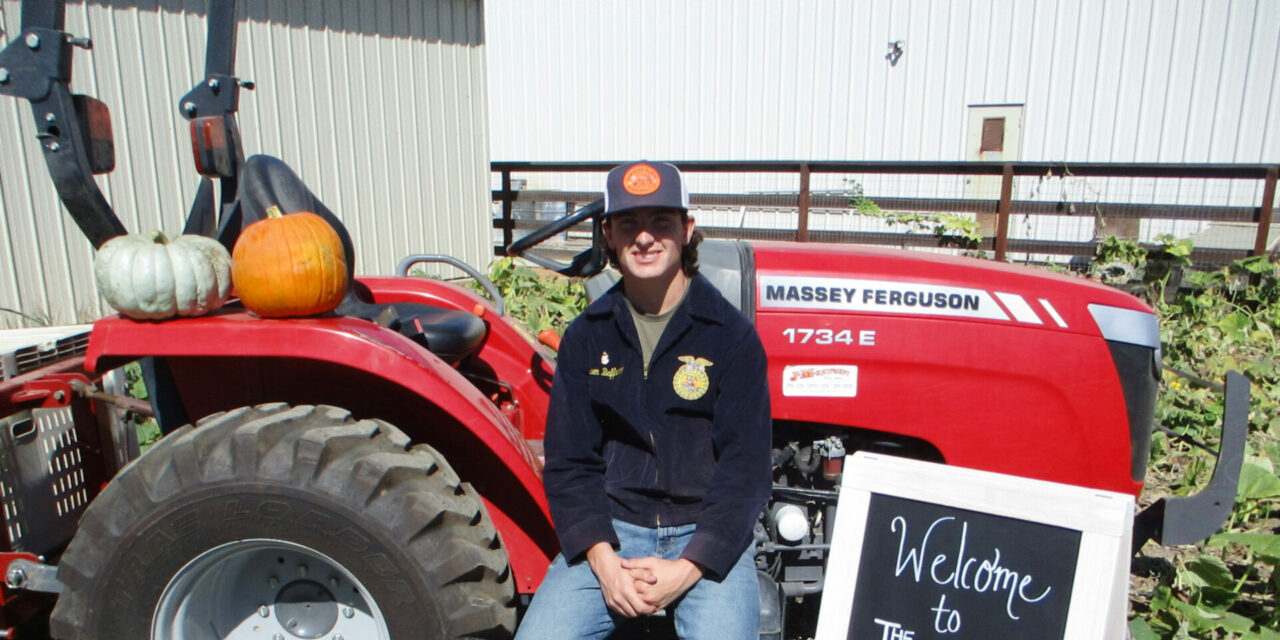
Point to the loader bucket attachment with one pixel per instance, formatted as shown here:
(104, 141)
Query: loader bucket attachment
(1193, 518)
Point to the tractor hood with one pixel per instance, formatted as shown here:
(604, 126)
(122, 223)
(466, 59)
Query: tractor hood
(988, 365)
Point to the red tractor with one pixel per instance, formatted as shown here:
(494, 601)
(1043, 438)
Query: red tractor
(374, 472)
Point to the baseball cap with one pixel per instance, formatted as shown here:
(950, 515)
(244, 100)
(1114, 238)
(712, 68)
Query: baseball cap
(645, 184)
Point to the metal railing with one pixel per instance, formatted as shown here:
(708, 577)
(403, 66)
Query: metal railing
(1241, 208)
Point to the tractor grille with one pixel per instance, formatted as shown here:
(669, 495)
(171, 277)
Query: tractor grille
(42, 479)
(44, 347)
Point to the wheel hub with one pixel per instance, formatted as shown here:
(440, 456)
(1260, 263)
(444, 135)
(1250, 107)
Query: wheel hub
(266, 590)
(306, 609)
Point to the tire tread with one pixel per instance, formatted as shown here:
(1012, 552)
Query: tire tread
(368, 465)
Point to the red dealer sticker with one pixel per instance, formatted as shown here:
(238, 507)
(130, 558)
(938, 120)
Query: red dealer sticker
(820, 381)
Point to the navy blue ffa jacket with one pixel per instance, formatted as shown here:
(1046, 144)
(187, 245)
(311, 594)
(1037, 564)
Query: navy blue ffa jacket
(689, 443)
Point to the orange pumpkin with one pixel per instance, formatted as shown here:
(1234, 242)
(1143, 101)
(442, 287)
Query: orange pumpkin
(289, 265)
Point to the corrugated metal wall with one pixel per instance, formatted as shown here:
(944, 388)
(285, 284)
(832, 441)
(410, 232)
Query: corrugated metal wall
(1101, 80)
(1180, 81)
(379, 105)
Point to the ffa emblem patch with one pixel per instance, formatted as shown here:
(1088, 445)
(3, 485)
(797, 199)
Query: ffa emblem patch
(691, 381)
(604, 357)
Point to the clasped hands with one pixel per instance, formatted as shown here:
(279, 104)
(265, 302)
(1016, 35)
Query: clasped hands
(640, 586)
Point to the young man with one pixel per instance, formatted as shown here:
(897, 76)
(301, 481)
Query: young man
(658, 437)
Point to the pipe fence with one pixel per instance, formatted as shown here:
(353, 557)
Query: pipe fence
(1020, 211)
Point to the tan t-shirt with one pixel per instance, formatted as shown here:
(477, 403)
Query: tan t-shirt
(650, 327)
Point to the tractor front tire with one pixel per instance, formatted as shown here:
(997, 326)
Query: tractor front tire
(287, 522)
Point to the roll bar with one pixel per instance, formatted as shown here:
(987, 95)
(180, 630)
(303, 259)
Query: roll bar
(75, 130)
(210, 107)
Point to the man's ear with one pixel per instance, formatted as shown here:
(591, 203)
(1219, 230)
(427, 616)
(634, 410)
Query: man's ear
(688, 229)
(607, 230)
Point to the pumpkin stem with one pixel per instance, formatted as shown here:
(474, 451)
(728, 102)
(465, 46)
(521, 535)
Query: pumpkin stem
(273, 211)
(158, 237)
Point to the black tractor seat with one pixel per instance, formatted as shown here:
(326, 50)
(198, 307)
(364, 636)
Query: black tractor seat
(448, 333)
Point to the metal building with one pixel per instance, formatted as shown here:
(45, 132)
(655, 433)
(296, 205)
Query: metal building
(1190, 81)
(1151, 81)
(379, 105)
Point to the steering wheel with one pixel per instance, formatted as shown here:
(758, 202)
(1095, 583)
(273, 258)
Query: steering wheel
(585, 264)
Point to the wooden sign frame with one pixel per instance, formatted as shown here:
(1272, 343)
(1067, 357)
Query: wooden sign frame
(1099, 596)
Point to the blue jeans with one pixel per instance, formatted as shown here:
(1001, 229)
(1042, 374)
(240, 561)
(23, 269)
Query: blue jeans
(569, 604)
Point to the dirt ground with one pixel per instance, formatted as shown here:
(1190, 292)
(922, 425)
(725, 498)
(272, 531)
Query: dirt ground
(1155, 564)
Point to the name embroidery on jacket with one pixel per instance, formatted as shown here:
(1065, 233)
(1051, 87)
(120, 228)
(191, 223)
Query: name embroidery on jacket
(606, 372)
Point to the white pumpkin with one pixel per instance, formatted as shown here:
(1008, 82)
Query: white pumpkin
(147, 276)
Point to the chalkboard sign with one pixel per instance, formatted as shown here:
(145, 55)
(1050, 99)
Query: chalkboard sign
(963, 573)
(926, 551)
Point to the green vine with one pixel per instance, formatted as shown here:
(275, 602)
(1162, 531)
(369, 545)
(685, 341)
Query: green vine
(951, 229)
(539, 299)
(148, 429)
(1212, 322)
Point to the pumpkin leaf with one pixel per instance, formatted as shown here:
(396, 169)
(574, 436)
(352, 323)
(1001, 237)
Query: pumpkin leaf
(1209, 619)
(1217, 598)
(1235, 623)
(1257, 264)
(1263, 633)
(1140, 630)
(1266, 544)
(1212, 571)
(1234, 323)
(1257, 483)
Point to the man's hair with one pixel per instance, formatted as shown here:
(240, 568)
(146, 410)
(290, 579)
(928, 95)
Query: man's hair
(688, 255)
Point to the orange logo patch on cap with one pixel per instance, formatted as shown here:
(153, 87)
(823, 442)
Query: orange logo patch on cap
(641, 180)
